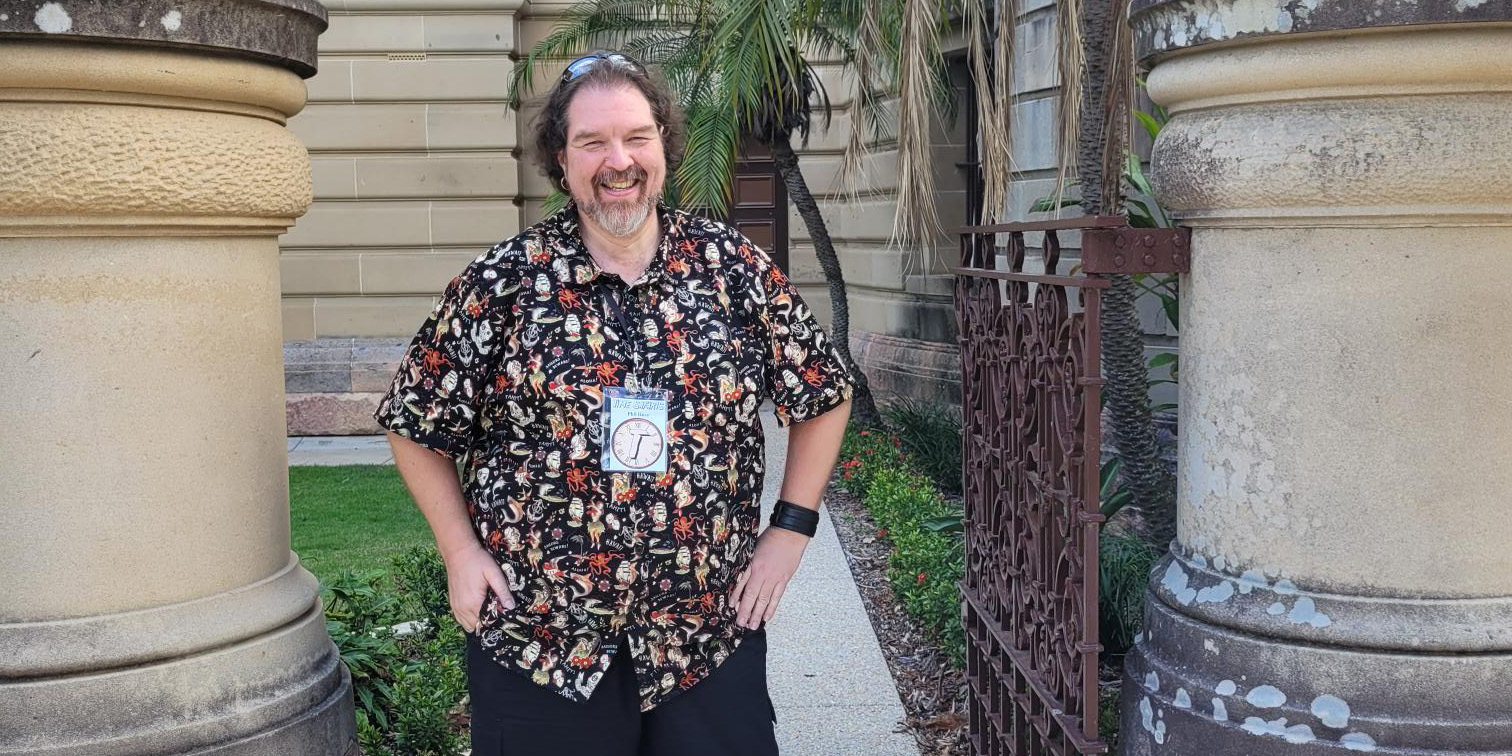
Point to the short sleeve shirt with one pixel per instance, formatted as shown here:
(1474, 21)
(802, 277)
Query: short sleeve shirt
(507, 375)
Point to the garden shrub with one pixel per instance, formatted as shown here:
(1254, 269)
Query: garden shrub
(1125, 560)
(865, 453)
(408, 688)
(927, 562)
(930, 432)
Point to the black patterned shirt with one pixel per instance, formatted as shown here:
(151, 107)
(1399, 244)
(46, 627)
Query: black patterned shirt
(507, 374)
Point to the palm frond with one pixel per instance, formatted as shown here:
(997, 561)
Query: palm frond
(991, 122)
(917, 219)
(582, 26)
(1118, 93)
(1005, 58)
(703, 179)
(868, 49)
(1069, 65)
(602, 24)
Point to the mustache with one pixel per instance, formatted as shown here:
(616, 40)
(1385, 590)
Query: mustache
(633, 173)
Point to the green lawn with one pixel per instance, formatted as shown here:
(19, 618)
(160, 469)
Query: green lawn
(352, 517)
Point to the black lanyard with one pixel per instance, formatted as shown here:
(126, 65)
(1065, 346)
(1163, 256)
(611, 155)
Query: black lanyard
(627, 331)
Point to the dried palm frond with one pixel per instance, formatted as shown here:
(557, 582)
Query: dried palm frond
(1069, 63)
(997, 144)
(917, 220)
(989, 124)
(869, 51)
(1118, 91)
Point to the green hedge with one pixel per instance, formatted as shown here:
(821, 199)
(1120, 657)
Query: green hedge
(408, 688)
(928, 559)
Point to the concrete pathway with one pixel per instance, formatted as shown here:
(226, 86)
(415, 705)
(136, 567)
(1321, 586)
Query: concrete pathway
(829, 682)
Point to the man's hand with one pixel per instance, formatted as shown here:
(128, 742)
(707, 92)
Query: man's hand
(470, 573)
(760, 587)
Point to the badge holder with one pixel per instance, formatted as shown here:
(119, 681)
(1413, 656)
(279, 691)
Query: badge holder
(635, 430)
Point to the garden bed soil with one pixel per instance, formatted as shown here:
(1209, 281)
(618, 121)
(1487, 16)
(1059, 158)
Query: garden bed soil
(933, 692)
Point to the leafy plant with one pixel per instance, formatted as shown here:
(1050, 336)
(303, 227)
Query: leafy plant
(924, 529)
(926, 565)
(1125, 561)
(427, 702)
(420, 576)
(866, 452)
(359, 613)
(1113, 495)
(931, 435)
(408, 688)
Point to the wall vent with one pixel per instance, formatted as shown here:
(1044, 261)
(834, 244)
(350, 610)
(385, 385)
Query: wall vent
(406, 56)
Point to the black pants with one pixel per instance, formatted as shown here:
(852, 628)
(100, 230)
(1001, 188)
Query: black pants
(727, 714)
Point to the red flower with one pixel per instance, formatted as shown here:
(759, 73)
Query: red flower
(849, 474)
(881, 532)
(921, 578)
(865, 433)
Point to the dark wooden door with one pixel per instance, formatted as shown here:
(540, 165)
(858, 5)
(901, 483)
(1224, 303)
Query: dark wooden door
(758, 202)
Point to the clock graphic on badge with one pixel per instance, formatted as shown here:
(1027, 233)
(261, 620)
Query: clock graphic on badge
(636, 443)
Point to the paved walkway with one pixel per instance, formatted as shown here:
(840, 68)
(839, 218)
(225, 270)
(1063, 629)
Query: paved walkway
(833, 692)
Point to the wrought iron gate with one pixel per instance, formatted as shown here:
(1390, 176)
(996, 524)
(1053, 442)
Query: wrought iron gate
(1031, 396)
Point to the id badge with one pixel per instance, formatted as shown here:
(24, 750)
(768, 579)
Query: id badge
(635, 423)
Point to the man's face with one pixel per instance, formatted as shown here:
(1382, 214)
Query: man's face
(613, 161)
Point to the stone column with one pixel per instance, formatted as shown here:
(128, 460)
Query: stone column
(151, 604)
(1342, 580)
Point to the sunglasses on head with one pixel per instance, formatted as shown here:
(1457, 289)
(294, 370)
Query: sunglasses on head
(584, 64)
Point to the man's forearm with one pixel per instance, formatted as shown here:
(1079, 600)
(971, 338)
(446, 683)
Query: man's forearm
(813, 447)
(432, 481)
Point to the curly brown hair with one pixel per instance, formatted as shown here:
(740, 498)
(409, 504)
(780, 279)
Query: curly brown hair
(551, 123)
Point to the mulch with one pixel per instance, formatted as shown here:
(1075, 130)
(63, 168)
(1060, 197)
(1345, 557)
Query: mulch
(933, 692)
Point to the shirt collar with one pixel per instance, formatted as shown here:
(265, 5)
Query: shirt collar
(568, 223)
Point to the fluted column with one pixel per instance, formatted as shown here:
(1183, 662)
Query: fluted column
(1341, 580)
(151, 604)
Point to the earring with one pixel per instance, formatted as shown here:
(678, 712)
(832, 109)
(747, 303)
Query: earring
(562, 182)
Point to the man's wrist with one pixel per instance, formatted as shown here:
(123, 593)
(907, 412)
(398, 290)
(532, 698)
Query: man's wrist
(789, 516)
(451, 551)
(783, 534)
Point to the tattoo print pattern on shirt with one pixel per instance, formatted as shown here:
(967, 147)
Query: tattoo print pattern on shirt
(508, 374)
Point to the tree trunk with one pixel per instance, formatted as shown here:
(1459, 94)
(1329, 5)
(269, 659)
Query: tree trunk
(1128, 380)
(863, 406)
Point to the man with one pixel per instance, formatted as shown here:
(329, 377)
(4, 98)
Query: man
(599, 377)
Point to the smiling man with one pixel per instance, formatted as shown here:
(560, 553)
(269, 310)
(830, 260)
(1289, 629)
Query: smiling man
(599, 378)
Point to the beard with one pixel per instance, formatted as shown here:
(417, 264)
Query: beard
(620, 217)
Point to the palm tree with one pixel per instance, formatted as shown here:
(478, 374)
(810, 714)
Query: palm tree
(1102, 142)
(741, 69)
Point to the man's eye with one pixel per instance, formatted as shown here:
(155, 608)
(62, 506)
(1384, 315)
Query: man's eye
(638, 141)
(591, 145)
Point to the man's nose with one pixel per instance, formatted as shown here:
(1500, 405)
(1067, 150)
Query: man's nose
(619, 157)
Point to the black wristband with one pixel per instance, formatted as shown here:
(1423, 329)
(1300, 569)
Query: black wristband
(790, 516)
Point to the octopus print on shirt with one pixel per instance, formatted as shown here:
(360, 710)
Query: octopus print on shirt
(508, 374)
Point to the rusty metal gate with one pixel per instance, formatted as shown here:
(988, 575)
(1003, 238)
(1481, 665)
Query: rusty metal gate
(1031, 397)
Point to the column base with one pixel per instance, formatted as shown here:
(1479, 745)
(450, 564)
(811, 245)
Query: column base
(284, 692)
(1195, 687)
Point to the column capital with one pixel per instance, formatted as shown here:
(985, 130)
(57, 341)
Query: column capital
(1163, 27)
(281, 32)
